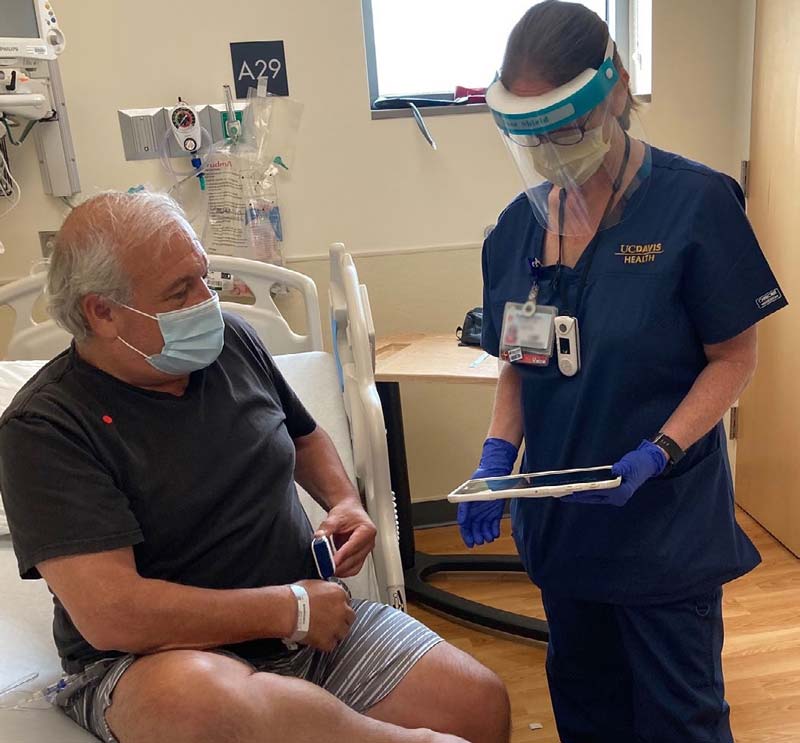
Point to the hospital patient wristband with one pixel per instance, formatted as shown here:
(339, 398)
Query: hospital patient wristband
(303, 613)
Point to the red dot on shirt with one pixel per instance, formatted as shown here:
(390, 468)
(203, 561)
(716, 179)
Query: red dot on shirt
(108, 419)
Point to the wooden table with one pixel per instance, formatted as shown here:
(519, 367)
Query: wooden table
(432, 358)
(438, 358)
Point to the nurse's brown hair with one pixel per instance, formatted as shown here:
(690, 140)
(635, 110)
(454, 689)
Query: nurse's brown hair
(555, 41)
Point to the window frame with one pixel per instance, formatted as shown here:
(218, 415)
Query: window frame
(618, 13)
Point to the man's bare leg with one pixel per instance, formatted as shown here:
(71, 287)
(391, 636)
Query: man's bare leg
(190, 696)
(449, 691)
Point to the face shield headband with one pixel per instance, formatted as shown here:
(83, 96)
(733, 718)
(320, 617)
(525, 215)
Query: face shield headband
(522, 117)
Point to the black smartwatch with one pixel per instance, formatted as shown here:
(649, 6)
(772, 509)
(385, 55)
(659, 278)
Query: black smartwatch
(674, 452)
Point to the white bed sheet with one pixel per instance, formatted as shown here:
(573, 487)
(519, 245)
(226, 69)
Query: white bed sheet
(315, 380)
(26, 648)
(13, 375)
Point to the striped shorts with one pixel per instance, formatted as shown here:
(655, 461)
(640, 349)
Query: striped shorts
(381, 648)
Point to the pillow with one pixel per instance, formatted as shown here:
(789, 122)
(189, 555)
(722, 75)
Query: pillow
(13, 375)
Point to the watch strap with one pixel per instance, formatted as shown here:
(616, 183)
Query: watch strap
(673, 450)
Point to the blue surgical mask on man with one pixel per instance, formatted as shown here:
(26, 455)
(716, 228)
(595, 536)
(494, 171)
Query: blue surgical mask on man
(193, 337)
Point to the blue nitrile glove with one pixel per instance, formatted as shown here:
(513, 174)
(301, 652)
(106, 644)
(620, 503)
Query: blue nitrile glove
(635, 468)
(479, 521)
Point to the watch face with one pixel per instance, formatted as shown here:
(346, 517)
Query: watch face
(674, 452)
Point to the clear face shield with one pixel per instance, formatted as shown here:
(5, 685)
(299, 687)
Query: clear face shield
(579, 167)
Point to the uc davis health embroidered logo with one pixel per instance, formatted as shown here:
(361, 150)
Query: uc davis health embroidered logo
(640, 253)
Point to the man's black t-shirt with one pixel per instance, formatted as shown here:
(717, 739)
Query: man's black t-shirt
(201, 486)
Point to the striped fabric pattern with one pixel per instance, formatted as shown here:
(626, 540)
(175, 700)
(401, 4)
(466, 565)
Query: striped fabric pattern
(381, 648)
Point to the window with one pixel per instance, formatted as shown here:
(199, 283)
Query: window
(641, 47)
(425, 48)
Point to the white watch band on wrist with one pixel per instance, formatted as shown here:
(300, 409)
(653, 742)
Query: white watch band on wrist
(303, 613)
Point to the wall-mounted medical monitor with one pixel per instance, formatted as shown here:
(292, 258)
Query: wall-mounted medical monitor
(29, 30)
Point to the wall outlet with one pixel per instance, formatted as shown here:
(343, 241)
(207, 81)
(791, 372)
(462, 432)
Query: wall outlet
(47, 241)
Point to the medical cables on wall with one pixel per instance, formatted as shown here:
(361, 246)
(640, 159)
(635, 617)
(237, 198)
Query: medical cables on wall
(10, 190)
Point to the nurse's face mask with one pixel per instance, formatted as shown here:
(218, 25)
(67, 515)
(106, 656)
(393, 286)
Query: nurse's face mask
(567, 164)
(193, 337)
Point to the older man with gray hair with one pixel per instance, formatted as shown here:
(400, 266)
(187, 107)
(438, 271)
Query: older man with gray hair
(148, 475)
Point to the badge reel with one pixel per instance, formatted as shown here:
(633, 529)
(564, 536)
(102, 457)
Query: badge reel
(527, 334)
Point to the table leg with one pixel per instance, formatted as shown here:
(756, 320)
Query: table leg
(389, 392)
(419, 589)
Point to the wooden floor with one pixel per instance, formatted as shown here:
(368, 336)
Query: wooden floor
(762, 647)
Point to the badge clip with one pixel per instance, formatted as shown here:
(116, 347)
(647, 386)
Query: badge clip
(529, 308)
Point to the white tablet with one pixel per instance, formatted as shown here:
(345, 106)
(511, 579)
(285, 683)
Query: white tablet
(536, 485)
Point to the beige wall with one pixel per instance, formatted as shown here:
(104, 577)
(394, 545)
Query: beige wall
(743, 96)
(375, 185)
(699, 59)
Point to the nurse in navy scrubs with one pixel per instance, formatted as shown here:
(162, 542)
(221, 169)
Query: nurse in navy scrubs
(650, 264)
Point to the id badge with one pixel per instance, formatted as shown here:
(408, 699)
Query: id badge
(527, 336)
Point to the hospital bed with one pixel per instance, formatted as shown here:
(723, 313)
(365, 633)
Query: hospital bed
(339, 391)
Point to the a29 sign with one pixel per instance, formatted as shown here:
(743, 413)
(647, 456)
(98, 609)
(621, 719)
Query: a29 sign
(254, 60)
